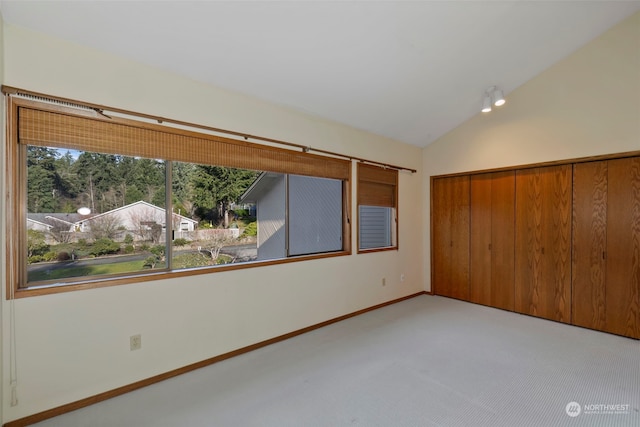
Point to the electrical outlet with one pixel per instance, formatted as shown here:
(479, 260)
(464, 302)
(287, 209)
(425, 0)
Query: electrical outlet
(135, 342)
(384, 281)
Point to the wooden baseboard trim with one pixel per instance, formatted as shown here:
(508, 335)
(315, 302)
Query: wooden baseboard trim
(70, 407)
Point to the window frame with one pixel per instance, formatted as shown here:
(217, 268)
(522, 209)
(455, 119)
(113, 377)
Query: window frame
(378, 186)
(303, 163)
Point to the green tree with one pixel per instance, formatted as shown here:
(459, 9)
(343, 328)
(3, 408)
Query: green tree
(41, 179)
(216, 187)
(98, 180)
(132, 194)
(182, 188)
(67, 183)
(148, 176)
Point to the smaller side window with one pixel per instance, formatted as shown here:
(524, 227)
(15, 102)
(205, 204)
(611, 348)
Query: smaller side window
(377, 207)
(375, 227)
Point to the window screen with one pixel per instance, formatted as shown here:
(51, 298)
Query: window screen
(375, 227)
(315, 215)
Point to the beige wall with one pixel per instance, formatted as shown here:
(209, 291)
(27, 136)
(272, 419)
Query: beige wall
(76, 344)
(587, 104)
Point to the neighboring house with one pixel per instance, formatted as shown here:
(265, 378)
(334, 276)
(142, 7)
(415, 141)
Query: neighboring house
(54, 220)
(57, 227)
(138, 219)
(296, 215)
(268, 194)
(33, 224)
(142, 220)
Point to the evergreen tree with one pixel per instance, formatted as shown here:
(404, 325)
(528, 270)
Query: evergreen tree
(216, 187)
(97, 176)
(148, 176)
(41, 179)
(182, 188)
(67, 183)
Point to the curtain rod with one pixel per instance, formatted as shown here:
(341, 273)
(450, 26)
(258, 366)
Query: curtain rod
(8, 90)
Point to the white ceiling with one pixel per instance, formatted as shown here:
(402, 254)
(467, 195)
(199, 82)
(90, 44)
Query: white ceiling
(411, 71)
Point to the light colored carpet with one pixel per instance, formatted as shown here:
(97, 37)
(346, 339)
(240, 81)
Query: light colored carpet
(428, 361)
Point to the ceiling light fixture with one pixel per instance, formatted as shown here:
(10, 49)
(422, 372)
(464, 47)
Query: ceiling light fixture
(494, 95)
(498, 98)
(486, 104)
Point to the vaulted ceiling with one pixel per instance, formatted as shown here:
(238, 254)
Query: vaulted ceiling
(410, 71)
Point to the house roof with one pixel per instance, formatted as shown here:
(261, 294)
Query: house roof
(56, 217)
(130, 205)
(49, 226)
(68, 219)
(263, 183)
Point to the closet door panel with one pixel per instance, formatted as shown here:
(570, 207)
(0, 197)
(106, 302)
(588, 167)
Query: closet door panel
(503, 239)
(441, 236)
(557, 246)
(528, 241)
(543, 242)
(623, 248)
(481, 235)
(589, 244)
(451, 236)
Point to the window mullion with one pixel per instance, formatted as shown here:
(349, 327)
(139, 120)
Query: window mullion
(168, 183)
(286, 216)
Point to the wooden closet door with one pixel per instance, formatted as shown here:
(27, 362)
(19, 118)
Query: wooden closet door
(623, 248)
(492, 239)
(480, 244)
(589, 245)
(450, 237)
(503, 201)
(543, 242)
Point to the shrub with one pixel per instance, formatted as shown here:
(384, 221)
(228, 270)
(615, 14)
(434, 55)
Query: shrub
(151, 261)
(144, 247)
(223, 259)
(63, 256)
(36, 243)
(129, 249)
(251, 230)
(241, 213)
(157, 250)
(128, 239)
(50, 256)
(34, 259)
(103, 247)
(180, 241)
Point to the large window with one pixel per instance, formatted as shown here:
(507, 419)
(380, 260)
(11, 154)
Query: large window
(377, 208)
(105, 200)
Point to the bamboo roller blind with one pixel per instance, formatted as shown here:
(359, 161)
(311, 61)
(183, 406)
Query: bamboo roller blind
(42, 127)
(377, 186)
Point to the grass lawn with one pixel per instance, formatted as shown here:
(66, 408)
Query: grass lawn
(57, 271)
(87, 270)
